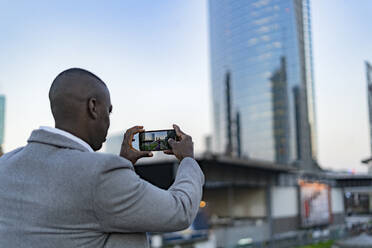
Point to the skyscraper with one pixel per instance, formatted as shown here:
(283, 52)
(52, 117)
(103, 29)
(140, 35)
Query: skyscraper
(2, 119)
(369, 90)
(262, 83)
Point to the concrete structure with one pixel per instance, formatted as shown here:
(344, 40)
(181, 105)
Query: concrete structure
(260, 201)
(262, 83)
(358, 194)
(361, 241)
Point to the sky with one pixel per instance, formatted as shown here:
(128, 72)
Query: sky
(154, 57)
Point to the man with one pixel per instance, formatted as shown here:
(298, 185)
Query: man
(57, 192)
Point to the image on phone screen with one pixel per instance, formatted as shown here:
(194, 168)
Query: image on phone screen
(156, 140)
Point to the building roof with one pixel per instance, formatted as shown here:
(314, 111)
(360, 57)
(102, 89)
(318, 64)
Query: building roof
(248, 163)
(226, 161)
(367, 160)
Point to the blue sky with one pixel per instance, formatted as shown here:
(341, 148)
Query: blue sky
(154, 57)
(341, 43)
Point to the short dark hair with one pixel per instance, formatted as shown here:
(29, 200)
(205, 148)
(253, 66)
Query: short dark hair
(76, 71)
(63, 94)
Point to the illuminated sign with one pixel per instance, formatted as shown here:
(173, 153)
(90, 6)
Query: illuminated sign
(315, 203)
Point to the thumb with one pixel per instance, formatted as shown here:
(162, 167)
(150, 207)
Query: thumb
(171, 142)
(145, 154)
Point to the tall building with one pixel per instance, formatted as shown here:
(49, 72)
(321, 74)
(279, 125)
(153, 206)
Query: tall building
(262, 80)
(369, 90)
(113, 144)
(2, 120)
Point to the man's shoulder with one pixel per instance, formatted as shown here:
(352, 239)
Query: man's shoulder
(105, 160)
(11, 153)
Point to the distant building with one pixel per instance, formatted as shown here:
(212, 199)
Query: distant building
(113, 144)
(2, 119)
(262, 80)
(368, 161)
(369, 90)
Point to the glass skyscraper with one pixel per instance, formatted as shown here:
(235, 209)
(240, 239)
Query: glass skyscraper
(262, 83)
(369, 90)
(2, 118)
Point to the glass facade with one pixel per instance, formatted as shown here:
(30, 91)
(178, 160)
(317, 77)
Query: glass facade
(2, 118)
(262, 84)
(369, 90)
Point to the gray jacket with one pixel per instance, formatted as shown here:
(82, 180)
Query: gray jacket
(53, 193)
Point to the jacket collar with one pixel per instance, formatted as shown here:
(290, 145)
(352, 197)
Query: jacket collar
(68, 135)
(54, 139)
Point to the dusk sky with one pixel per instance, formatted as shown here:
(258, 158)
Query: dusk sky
(154, 57)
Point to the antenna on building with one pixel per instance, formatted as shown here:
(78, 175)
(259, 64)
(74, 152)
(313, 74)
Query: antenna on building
(233, 146)
(238, 135)
(229, 148)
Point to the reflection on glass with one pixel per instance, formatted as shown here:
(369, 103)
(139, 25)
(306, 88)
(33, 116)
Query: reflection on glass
(280, 112)
(263, 47)
(369, 85)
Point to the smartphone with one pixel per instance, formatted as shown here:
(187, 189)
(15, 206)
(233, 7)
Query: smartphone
(156, 140)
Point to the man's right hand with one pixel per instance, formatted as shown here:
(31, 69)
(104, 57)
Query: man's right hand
(182, 148)
(127, 151)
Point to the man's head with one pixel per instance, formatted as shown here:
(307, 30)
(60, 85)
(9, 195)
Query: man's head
(81, 105)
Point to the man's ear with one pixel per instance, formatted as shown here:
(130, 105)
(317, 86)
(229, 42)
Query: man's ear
(92, 107)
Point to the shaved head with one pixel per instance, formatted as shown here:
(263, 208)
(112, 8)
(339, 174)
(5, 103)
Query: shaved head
(70, 89)
(78, 101)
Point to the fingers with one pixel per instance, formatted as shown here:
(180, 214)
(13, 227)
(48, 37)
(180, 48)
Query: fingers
(135, 129)
(128, 136)
(169, 152)
(171, 142)
(178, 131)
(145, 154)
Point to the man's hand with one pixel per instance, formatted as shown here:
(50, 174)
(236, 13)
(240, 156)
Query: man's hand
(127, 151)
(183, 148)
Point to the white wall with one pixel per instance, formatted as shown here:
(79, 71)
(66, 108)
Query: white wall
(249, 203)
(337, 200)
(284, 202)
(246, 203)
(217, 202)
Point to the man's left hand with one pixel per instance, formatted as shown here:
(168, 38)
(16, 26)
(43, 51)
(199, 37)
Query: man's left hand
(127, 151)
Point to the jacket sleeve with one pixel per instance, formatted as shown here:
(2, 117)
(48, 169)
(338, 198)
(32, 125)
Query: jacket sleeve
(123, 202)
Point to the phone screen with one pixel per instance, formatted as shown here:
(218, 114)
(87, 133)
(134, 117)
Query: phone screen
(156, 140)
